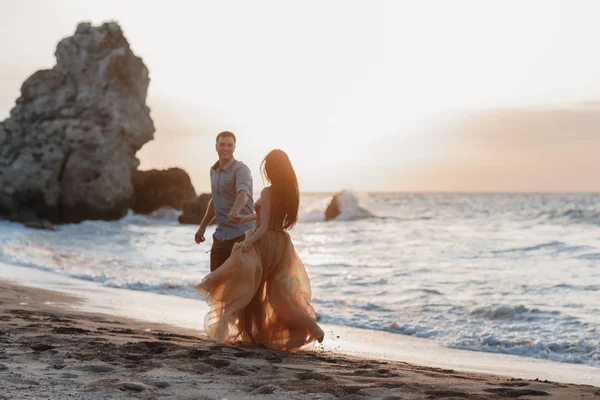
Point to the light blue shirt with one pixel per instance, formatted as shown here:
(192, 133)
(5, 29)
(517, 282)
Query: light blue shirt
(225, 184)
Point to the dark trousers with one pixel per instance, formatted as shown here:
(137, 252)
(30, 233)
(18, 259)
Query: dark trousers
(221, 250)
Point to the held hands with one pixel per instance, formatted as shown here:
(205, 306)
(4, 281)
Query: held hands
(244, 246)
(236, 219)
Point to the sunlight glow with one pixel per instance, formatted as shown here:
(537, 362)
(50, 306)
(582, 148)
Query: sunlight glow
(353, 91)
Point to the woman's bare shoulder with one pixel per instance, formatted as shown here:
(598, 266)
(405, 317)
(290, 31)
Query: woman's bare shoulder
(265, 191)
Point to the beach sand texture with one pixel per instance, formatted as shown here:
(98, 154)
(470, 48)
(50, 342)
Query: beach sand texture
(50, 351)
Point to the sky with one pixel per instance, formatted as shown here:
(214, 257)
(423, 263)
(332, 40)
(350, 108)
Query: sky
(473, 96)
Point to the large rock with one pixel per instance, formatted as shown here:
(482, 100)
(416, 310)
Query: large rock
(345, 206)
(68, 149)
(333, 209)
(154, 189)
(194, 210)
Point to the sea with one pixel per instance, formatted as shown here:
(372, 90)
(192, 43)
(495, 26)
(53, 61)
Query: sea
(515, 274)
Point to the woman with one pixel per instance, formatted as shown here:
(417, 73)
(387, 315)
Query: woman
(261, 294)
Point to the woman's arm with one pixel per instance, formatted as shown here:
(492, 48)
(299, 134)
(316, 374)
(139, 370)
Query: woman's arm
(265, 215)
(250, 217)
(243, 219)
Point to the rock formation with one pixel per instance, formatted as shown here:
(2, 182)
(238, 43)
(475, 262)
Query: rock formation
(333, 209)
(345, 206)
(155, 189)
(194, 210)
(67, 151)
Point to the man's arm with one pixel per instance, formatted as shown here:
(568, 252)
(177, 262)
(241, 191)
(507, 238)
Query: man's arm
(240, 201)
(208, 217)
(243, 187)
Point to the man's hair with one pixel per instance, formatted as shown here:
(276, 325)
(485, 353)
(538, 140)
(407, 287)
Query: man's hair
(226, 134)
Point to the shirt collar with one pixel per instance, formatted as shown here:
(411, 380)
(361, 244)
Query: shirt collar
(227, 166)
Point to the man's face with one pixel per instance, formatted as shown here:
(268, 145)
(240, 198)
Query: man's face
(225, 147)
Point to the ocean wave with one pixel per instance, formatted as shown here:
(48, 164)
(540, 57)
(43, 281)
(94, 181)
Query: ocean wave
(555, 246)
(352, 207)
(578, 351)
(366, 306)
(416, 330)
(478, 336)
(552, 244)
(589, 256)
(164, 214)
(185, 290)
(503, 312)
(578, 215)
(577, 287)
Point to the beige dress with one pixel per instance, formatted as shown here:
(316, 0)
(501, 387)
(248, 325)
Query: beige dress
(261, 296)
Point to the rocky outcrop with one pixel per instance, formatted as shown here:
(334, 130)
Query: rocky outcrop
(194, 210)
(154, 189)
(333, 209)
(67, 151)
(344, 206)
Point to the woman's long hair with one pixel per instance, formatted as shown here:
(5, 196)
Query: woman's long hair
(277, 169)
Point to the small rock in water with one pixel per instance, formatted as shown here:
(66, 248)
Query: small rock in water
(40, 224)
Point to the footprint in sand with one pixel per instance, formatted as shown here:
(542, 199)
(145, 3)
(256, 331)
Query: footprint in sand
(217, 362)
(514, 393)
(132, 387)
(68, 330)
(313, 375)
(266, 389)
(40, 346)
(512, 384)
(375, 373)
(96, 368)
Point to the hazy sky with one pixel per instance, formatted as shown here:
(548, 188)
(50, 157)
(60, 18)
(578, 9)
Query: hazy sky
(370, 95)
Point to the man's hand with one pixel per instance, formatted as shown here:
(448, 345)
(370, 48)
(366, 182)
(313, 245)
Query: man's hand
(234, 218)
(200, 235)
(240, 219)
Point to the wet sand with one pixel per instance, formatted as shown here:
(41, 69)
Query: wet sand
(50, 351)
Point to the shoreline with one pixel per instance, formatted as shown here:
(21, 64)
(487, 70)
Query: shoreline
(343, 340)
(51, 349)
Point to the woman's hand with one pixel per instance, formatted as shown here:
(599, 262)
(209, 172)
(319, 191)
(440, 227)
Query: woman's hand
(238, 219)
(245, 246)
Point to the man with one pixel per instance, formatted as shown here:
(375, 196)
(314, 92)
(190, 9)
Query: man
(231, 187)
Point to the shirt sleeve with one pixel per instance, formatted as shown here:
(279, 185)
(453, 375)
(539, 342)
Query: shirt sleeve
(243, 179)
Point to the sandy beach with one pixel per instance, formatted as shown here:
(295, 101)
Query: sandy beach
(50, 350)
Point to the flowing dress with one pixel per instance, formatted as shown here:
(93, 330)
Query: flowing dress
(261, 296)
